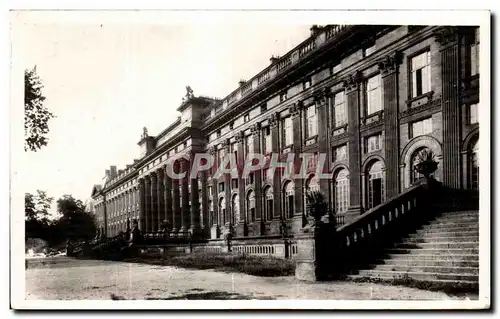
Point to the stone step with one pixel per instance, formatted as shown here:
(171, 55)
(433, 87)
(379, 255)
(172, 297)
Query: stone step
(432, 251)
(444, 281)
(425, 268)
(419, 275)
(437, 257)
(458, 234)
(439, 245)
(452, 225)
(430, 229)
(424, 239)
(454, 220)
(400, 260)
(461, 213)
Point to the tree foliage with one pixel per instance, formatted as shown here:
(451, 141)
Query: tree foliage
(36, 208)
(36, 115)
(74, 223)
(77, 223)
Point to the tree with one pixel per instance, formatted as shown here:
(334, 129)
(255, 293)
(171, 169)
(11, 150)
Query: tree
(75, 222)
(36, 115)
(37, 206)
(36, 209)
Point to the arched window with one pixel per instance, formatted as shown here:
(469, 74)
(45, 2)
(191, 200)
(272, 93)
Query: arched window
(222, 210)
(235, 206)
(250, 206)
(341, 191)
(289, 191)
(474, 166)
(375, 185)
(414, 175)
(269, 202)
(312, 184)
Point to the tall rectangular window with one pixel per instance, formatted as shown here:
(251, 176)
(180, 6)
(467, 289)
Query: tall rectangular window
(421, 127)
(473, 116)
(248, 144)
(287, 131)
(373, 95)
(267, 140)
(421, 74)
(311, 121)
(373, 143)
(340, 115)
(474, 54)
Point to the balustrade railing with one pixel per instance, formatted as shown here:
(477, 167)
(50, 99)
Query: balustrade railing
(333, 30)
(284, 63)
(306, 48)
(377, 228)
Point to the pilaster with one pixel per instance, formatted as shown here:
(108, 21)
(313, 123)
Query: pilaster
(389, 72)
(352, 89)
(448, 38)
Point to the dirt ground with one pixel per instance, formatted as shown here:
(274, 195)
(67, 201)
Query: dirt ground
(69, 279)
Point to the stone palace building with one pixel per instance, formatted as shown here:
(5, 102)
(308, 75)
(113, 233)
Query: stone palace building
(369, 97)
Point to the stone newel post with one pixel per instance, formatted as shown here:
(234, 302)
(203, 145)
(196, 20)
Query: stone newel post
(315, 259)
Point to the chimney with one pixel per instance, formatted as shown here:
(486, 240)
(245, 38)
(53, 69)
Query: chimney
(112, 170)
(242, 82)
(120, 171)
(274, 59)
(106, 173)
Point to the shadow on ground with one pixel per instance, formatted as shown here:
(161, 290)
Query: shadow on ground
(207, 295)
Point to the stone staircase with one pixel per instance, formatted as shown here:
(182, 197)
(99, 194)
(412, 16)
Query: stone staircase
(445, 250)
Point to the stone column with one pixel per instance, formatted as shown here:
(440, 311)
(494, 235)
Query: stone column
(176, 201)
(389, 72)
(227, 188)
(205, 227)
(214, 228)
(322, 100)
(161, 197)
(185, 212)
(169, 212)
(195, 204)
(351, 85)
(296, 111)
(259, 210)
(241, 224)
(274, 124)
(147, 203)
(153, 217)
(448, 38)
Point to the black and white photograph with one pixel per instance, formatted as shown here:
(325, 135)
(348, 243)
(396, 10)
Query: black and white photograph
(250, 159)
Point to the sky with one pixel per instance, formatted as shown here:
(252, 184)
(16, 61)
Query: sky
(105, 79)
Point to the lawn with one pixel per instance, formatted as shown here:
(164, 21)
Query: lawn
(251, 265)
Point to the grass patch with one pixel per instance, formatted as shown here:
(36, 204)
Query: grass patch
(251, 265)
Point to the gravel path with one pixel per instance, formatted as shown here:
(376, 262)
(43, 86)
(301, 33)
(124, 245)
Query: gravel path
(87, 279)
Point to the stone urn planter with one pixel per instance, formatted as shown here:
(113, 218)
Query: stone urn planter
(316, 208)
(426, 163)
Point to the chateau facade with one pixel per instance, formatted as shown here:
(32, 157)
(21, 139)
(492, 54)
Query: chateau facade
(368, 97)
